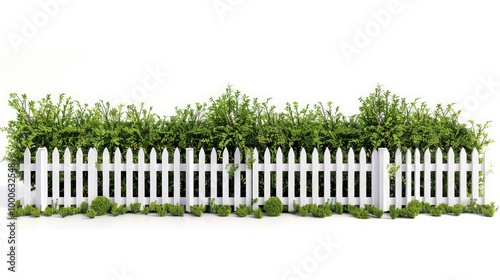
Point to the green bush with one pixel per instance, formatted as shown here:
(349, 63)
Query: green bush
(161, 210)
(358, 212)
(320, 211)
(457, 209)
(231, 121)
(243, 210)
(436, 211)
(35, 213)
(224, 210)
(135, 207)
(28, 209)
(64, 211)
(101, 205)
(257, 213)
(49, 211)
(177, 210)
(198, 210)
(84, 207)
(273, 206)
(91, 213)
(146, 210)
(374, 211)
(153, 206)
(489, 209)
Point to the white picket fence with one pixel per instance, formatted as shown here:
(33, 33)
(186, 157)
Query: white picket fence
(383, 174)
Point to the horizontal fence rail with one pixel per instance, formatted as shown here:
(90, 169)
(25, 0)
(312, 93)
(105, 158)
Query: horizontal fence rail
(370, 179)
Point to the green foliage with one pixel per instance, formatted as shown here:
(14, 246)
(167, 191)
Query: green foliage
(234, 120)
(176, 210)
(161, 210)
(358, 212)
(457, 209)
(436, 211)
(64, 211)
(153, 206)
(198, 210)
(135, 207)
(224, 210)
(212, 207)
(91, 213)
(84, 207)
(49, 211)
(339, 208)
(320, 211)
(273, 206)
(35, 213)
(258, 213)
(304, 210)
(489, 209)
(394, 212)
(374, 211)
(28, 209)
(146, 210)
(243, 210)
(101, 205)
(415, 205)
(426, 207)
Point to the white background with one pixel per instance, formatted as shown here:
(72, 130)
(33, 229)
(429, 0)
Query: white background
(286, 50)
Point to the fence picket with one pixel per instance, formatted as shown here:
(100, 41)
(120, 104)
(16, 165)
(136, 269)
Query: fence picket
(303, 177)
(338, 176)
(92, 175)
(451, 177)
(201, 176)
(408, 172)
(327, 175)
(140, 170)
(164, 177)
(418, 169)
(255, 178)
(427, 176)
(55, 176)
(152, 175)
(67, 177)
(105, 173)
(27, 177)
(177, 176)
(362, 178)
(79, 178)
(315, 177)
(225, 177)
(129, 178)
(213, 174)
(475, 174)
(267, 174)
(279, 174)
(41, 178)
(291, 180)
(463, 177)
(118, 177)
(398, 185)
(237, 178)
(439, 177)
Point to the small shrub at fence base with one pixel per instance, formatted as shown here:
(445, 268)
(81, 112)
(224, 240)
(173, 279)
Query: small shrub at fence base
(177, 210)
(304, 210)
(101, 205)
(273, 206)
(28, 209)
(91, 213)
(257, 213)
(153, 206)
(49, 211)
(320, 211)
(161, 210)
(436, 211)
(243, 210)
(135, 207)
(457, 209)
(145, 211)
(374, 211)
(84, 207)
(198, 210)
(224, 210)
(35, 213)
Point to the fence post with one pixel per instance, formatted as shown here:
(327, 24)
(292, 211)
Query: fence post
(189, 178)
(383, 179)
(41, 178)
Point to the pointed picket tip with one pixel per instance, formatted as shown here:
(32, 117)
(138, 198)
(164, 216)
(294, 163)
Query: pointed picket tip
(153, 150)
(141, 151)
(303, 153)
(362, 152)
(213, 153)
(315, 152)
(225, 153)
(291, 153)
(398, 151)
(279, 151)
(439, 152)
(427, 152)
(267, 152)
(237, 151)
(327, 151)
(237, 156)
(129, 151)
